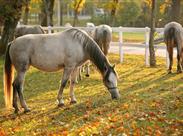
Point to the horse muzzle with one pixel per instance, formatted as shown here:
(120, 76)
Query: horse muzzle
(114, 93)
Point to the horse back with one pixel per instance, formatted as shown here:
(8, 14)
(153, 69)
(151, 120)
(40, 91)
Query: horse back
(47, 52)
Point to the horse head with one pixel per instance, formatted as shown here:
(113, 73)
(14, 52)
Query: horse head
(110, 81)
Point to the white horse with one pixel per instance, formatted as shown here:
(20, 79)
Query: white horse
(51, 52)
(102, 35)
(86, 66)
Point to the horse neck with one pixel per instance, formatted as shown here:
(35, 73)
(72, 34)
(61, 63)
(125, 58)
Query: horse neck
(97, 57)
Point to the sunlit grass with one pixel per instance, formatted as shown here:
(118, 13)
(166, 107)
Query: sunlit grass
(150, 103)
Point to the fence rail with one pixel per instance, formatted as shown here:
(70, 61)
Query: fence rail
(121, 44)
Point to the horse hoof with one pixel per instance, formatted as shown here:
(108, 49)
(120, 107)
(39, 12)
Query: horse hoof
(27, 110)
(178, 72)
(87, 75)
(73, 102)
(61, 105)
(169, 72)
(16, 111)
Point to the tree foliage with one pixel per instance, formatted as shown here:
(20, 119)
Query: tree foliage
(77, 6)
(128, 13)
(10, 10)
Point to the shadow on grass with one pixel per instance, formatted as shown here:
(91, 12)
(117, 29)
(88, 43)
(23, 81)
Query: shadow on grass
(94, 101)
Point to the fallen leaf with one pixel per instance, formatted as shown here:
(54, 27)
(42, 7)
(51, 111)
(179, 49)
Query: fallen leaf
(2, 132)
(120, 129)
(158, 133)
(125, 106)
(127, 115)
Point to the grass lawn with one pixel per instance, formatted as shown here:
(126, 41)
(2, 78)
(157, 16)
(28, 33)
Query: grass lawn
(151, 103)
(130, 37)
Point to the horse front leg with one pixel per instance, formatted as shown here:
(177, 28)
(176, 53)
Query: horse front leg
(72, 84)
(18, 87)
(65, 77)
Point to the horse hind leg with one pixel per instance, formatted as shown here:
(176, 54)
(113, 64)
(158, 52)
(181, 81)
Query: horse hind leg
(179, 67)
(18, 89)
(72, 84)
(181, 59)
(170, 52)
(15, 97)
(87, 69)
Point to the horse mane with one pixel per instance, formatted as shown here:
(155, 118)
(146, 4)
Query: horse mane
(91, 47)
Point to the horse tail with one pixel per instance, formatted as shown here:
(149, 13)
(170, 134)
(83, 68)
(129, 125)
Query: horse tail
(105, 42)
(172, 35)
(173, 38)
(8, 77)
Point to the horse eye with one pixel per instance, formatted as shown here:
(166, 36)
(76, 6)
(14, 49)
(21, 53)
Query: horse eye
(108, 80)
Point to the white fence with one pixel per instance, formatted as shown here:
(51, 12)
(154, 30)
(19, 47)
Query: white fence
(120, 31)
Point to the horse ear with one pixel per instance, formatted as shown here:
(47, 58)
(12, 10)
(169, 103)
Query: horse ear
(105, 69)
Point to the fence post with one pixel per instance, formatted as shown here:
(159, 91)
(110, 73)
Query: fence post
(49, 29)
(147, 46)
(167, 59)
(121, 53)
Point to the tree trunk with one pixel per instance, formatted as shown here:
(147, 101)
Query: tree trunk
(7, 35)
(47, 12)
(75, 18)
(151, 41)
(26, 14)
(175, 10)
(43, 14)
(61, 12)
(50, 12)
(113, 12)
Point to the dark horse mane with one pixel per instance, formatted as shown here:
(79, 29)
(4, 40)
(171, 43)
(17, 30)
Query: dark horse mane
(91, 47)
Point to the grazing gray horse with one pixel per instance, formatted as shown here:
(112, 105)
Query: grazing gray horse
(23, 30)
(173, 37)
(51, 52)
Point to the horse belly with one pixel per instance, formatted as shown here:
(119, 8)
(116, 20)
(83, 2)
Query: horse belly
(48, 64)
(48, 68)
